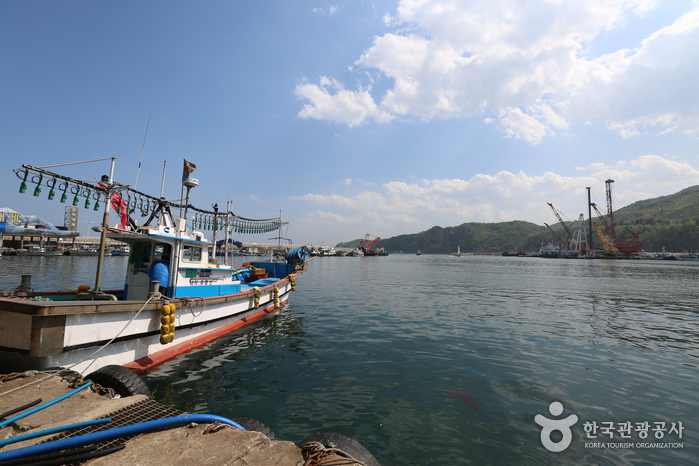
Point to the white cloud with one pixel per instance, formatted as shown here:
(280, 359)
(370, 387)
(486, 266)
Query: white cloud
(331, 10)
(332, 217)
(347, 107)
(529, 65)
(398, 207)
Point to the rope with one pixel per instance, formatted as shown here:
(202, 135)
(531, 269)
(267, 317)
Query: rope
(316, 454)
(191, 302)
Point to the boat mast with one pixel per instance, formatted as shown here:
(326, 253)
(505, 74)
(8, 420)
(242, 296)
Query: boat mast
(215, 207)
(228, 237)
(105, 224)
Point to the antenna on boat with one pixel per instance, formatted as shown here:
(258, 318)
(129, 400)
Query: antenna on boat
(138, 171)
(162, 181)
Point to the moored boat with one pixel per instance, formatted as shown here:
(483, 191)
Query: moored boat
(37, 250)
(176, 294)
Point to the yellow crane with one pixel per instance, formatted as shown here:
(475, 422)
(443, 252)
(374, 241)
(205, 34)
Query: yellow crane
(609, 249)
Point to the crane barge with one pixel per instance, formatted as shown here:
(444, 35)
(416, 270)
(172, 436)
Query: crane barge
(368, 246)
(633, 246)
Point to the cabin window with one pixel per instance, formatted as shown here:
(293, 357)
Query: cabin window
(191, 254)
(162, 251)
(140, 253)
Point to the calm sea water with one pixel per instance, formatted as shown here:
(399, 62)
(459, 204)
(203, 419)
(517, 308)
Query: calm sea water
(380, 349)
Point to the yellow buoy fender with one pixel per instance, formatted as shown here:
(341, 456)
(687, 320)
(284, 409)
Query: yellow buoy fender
(167, 321)
(275, 297)
(256, 293)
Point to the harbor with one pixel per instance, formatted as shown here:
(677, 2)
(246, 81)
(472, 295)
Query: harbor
(389, 369)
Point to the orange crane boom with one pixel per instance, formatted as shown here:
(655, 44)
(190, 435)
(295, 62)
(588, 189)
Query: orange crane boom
(368, 243)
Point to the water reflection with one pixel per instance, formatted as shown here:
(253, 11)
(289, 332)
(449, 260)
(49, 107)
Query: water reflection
(61, 273)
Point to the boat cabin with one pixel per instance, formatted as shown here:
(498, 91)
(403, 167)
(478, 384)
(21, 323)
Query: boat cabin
(179, 258)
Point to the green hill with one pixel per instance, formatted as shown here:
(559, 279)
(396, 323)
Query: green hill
(470, 237)
(667, 221)
(676, 207)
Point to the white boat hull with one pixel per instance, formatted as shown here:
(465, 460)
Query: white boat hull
(67, 334)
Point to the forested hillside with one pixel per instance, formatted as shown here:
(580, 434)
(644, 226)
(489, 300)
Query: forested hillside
(668, 221)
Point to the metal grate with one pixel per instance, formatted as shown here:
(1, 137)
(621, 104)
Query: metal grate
(146, 410)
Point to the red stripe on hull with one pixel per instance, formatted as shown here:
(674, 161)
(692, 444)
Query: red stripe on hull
(148, 362)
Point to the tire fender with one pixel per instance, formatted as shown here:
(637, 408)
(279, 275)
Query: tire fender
(252, 424)
(344, 443)
(123, 381)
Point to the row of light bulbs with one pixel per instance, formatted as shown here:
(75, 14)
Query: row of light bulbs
(51, 184)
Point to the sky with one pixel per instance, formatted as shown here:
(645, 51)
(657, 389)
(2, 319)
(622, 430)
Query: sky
(355, 117)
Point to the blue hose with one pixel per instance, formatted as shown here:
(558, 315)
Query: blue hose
(54, 430)
(45, 405)
(111, 434)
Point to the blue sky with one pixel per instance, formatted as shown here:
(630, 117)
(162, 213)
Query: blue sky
(356, 117)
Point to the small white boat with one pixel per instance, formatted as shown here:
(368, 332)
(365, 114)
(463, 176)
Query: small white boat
(37, 250)
(176, 295)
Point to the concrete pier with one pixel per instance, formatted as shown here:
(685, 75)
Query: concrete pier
(194, 444)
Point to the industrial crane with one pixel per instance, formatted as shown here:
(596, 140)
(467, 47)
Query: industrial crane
(635, 245)
(368, 243)
(564, 242)
(557, 213)
(608, 248)
(579, 240)
(607, 226)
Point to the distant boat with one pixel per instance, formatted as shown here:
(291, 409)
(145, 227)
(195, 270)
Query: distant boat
(418, 253)
(36, 250)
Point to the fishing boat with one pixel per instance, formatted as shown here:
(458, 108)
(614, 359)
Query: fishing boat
(176, 295)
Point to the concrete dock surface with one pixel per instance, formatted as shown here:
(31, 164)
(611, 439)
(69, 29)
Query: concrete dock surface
(188, 445)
